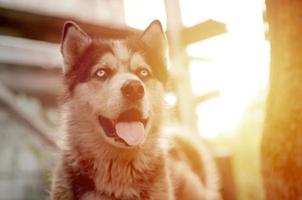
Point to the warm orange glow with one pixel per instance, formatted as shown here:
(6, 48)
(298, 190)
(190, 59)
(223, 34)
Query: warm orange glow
(236, 63)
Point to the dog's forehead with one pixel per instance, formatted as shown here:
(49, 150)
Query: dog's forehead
(123, 56)
(120, 50)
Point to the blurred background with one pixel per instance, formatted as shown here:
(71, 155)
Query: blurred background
(219, 78)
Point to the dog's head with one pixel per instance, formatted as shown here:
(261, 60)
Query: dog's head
(115, 87)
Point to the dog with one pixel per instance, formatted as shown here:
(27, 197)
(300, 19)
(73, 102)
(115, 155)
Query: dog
(115, 146)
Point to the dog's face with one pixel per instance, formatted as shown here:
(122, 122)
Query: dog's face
(115, 87)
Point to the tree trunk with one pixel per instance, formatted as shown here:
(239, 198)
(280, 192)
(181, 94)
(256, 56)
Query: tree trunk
(282, 138)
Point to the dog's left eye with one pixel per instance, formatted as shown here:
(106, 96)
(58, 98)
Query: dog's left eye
(144, 73)
(102, 73)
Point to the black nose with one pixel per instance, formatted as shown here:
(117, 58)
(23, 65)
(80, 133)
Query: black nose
(133, 90)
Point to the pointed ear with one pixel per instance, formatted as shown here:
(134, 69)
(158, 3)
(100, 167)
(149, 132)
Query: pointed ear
(154, 35)
(74, 42)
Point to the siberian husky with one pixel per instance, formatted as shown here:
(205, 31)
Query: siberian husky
(114, 145)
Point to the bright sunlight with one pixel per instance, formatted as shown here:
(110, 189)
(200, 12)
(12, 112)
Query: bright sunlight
(235, 63)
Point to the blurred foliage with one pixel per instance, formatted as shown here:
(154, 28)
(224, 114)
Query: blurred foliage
(244, 143)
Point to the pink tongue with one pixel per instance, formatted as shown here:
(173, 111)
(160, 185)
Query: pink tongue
(132, 132)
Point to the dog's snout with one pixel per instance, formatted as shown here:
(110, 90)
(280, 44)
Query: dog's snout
(133, 90)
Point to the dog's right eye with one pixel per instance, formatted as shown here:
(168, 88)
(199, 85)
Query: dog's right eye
(102, 73)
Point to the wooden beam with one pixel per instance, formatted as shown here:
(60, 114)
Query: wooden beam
(25, 52)
(202, 31)
(207, 96)
(48, 28)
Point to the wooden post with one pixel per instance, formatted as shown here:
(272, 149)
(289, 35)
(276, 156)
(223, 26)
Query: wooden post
(282, 137)
(186, 106)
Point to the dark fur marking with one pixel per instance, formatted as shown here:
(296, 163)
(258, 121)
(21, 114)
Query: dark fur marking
(110, 170)
(81, 70)
(144, 194)
(80, 182)
(153, 57)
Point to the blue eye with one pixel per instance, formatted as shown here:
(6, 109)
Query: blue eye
(144, 73)
(102, 73)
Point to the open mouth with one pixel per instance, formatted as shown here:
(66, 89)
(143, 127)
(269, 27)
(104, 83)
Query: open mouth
(128, 128)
